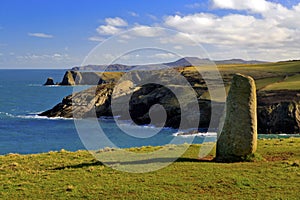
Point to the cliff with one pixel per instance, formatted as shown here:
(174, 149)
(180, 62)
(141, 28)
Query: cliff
(278, 111)
(89, 78)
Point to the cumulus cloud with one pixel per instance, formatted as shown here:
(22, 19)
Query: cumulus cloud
(275, 27)
(146, 31)
(108, 30)
(252, 5)
(40, 35)
(117, 21)
(113, 26)
(260, 27)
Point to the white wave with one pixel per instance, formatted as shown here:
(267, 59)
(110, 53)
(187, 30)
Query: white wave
(41, 117)
(34, 85)
(34, 116)
(183, 134)
(6, 114)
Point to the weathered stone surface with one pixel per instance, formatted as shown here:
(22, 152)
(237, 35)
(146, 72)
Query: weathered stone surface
(283, 117)
(49, 81)
(68, 79)
(93, 102)
(90, 78)
(279, 112)
(239, 135)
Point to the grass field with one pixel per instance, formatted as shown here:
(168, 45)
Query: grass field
(268, 76)
(289, 83)
(275, 174)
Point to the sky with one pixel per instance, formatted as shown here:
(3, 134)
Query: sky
(60, 34)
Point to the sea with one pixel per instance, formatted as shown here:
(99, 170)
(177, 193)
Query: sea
(23, 97)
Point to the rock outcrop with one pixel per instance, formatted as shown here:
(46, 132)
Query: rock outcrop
(69, 78)
(96, 102)
(49, 81)
(279, 112)
(93, 102)
(89, 78)
(239, 135)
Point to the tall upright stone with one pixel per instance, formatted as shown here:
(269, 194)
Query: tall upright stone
(239, 135)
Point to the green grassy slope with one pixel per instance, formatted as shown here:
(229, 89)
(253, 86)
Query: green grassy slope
(289, 83)
(77, 175)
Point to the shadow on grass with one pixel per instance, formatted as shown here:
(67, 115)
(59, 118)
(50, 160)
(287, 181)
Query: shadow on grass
(81, 165)
(146, 161)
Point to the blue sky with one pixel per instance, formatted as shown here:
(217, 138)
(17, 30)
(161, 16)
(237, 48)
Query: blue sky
(61, 33)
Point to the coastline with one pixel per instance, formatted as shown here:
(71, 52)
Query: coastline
(262, 137)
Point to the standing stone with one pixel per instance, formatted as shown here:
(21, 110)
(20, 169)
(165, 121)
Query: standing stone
(239, 135)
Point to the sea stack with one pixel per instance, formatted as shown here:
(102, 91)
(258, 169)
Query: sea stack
(239, 135)
(49, 81)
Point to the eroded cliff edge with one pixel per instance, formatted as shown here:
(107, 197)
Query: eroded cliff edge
(278, 111)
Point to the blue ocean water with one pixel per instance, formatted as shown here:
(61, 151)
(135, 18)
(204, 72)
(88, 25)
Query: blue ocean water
(22, 97)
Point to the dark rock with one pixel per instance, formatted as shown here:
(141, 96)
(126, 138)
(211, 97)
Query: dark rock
(283, 117)
(69, 78)
(279, 112)
(49, 81)
(89, 78)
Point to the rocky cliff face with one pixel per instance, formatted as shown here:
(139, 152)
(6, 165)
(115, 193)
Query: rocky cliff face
(89, 78)
(279, 112)
(96, 102)
(92, 102)
(273, 117)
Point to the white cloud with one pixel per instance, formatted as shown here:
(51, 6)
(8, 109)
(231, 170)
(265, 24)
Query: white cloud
(193, 6)
(117, 21)
(113, 26)
(265, 29)
(108, 30)
(40, 35)
(133, 14)
(277, 27)
(44, 57)
(252, 5)
(147, 31)
(163, 56)
(96, 39)
(153, 17)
